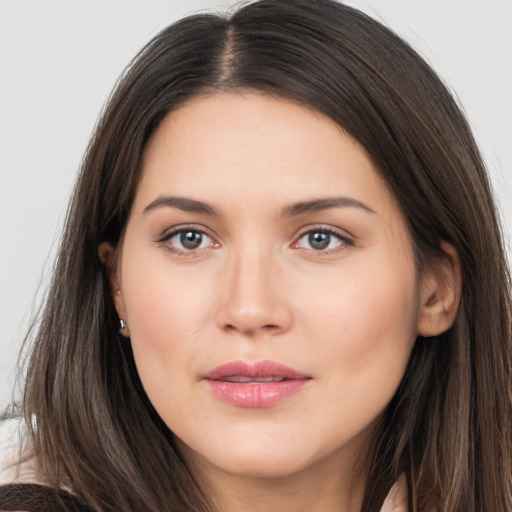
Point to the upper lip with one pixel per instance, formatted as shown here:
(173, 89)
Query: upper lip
(256, 370)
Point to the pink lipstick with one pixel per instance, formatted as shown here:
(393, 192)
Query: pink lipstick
(254, 385)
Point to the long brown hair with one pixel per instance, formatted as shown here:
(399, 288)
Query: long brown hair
(448, 428)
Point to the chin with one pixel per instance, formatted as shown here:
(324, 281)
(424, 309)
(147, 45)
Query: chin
(245, 459)
(277, 466)
(260, 459)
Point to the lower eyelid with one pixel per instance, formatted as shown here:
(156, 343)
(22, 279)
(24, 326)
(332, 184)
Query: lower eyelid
(344, 240)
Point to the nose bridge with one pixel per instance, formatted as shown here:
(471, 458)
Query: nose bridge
(253, 296)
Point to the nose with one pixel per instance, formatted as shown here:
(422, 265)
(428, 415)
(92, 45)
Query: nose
(254, 298)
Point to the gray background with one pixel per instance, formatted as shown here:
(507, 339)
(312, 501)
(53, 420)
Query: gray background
(60, 59)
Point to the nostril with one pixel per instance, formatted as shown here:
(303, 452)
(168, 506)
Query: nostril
(248, 331)
(249, 313)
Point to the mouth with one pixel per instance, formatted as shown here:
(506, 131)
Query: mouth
(244, 379)
(263, 384)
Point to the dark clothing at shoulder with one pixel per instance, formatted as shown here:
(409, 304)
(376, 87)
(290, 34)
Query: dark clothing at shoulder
(39, 498)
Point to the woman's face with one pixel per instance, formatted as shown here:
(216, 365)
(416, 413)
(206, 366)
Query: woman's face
(268, 283)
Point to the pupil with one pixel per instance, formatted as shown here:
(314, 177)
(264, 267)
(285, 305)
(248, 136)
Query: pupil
(191, 239)
(319, 240)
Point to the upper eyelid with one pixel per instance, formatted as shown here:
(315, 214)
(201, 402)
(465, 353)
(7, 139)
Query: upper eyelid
(172, 231)
(346, 241)
(165, 241)
(342, 233)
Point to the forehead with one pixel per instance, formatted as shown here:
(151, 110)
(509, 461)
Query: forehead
(252, 146)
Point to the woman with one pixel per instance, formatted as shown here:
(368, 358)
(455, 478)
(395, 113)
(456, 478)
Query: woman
(281, 284)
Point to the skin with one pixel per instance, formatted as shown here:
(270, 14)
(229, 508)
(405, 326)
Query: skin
(257, 289)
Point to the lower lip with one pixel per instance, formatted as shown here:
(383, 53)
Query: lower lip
(255, 395)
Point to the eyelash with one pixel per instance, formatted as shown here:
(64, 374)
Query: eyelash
(344, 241)
(168, 236)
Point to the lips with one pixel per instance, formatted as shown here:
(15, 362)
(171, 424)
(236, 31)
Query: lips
(258, 385)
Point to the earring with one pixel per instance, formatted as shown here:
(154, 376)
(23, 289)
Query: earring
(123, 328)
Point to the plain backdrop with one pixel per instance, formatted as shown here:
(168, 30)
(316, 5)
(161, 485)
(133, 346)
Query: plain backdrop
(60, 59)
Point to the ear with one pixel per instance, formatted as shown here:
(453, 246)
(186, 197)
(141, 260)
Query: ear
(109, 258)
(440, 293)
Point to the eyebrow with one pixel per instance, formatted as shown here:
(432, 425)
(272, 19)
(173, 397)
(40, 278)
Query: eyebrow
(293, 210)
(183, 203)
(317, 205)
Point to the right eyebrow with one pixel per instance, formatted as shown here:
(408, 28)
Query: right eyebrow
(184, 204)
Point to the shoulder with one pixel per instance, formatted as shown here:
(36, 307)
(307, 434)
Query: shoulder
(397, 499)
(38, 498)
(14, 468)
(20, 487)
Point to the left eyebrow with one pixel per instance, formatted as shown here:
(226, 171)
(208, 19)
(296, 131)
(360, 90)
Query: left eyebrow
(317, 205)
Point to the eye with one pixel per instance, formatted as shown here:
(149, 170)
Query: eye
(187, 240)
(321, 240)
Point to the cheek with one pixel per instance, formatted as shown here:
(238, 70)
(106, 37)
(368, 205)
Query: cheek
(364, 329)
(166, 312)
(160, 296)
(378, 313)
